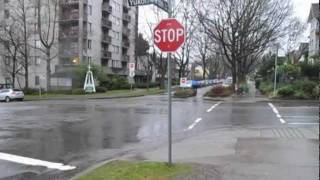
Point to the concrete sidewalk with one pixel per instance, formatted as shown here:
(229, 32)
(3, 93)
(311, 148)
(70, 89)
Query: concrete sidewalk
(248, 154)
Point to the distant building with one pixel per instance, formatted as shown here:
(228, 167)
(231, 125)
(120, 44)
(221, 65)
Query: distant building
(98, 31)
(314, 19)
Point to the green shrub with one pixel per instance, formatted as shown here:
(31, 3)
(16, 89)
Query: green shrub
(32, 91)
(305, 86)
(265, 88)
(310, 70)
(115, 82)
(316, 92)
(243, 88)
(300, 95)
(60, 91)
(145, 85)
(220, 91)
(185, 92)
(101, 89)
(78, 91)
(286, 91)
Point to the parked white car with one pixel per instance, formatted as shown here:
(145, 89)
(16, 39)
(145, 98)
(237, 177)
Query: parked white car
(8, 95)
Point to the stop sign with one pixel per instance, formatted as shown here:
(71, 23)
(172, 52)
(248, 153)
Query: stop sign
(169, 35)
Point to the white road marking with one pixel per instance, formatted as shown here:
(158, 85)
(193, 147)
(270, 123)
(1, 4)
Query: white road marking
(35, 162)
(194, 123)
(297, 123)
(214, 106)
(274, 109)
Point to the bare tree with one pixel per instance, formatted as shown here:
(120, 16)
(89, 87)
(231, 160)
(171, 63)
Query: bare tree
(11, 40)
(21, 12)
(202, 46)
(47, 12)
(147, 65)
(190, 25)
(243, 28)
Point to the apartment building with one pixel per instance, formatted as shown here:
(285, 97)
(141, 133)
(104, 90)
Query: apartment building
(98, 31)
(313, 19)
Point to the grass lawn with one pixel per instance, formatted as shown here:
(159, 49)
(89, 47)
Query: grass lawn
(123, 170)
(113, 93)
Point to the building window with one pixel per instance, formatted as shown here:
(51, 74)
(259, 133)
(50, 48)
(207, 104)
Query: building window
(90, 27)
(6, 14)
(116, 64)
(36, 60)
(7, 80)
(37, 43)
(89, 44)
(116, 49)
(37, 80)
(6, 60)
(116, 35)
(90, 9)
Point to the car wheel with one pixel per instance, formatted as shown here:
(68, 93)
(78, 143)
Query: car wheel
(7, 99)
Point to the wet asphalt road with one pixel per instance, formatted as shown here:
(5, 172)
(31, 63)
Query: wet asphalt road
(83, 132)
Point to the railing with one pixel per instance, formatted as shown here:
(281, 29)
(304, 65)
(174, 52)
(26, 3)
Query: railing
(126, 17)
(126, 58)
(125, 44)
(106, 23)
(106, 7)
(106, 54)
(70, 16)
(106, 39)
(126, 31)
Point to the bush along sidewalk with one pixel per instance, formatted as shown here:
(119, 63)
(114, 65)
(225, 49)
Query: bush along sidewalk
(299, 90)
(185, 92)
(220, 91)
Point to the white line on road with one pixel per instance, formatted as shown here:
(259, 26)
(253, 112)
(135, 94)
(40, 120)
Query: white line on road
(194, 123)
(274, 109)
(35, 162)
(214, 106)
(297, 123)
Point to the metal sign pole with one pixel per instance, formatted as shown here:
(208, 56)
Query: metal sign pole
(169, 97)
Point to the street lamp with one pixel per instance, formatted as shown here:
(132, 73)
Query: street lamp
(275, 71)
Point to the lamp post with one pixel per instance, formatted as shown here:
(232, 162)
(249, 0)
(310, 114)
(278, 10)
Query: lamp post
(275, 72)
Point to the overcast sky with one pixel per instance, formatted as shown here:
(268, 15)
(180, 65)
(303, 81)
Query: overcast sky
(301, 9)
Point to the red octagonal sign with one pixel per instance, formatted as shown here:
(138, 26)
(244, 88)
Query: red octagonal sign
(169, 35)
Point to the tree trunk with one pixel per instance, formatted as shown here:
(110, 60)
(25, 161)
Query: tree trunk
(13, 74)
(48, 74)
(26, 61)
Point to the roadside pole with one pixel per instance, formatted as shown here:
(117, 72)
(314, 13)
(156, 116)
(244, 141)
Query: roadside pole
(170, 2)
(275, 73)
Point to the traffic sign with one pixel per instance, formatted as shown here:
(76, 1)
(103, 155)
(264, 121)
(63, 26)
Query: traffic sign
(132, 74)
(169, 35)
(183, 82)
(162, 4)
(132, 67)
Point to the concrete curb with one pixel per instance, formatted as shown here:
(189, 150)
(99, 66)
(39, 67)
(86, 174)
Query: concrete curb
(90, 98)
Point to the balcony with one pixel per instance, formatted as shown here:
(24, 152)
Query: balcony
(106, 39)
(106, 8)
(126, 17)
(105, 23)
(126, 31)
(125, 58)
(68, 34)
(105, 54)
(125, 44)
(72, 16)
(72, 2)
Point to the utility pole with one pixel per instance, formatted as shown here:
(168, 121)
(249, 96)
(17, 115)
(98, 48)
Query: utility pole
(275, 72)
(170, 3)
